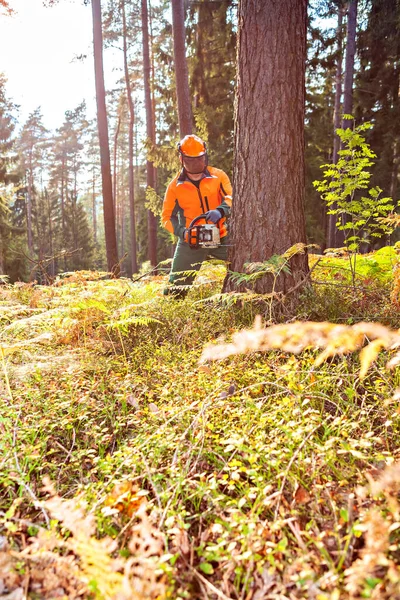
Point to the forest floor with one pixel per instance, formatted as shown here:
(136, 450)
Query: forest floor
(131, 469)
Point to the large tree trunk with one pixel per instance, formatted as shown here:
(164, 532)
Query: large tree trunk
(134, 265)
(269, 179)
(151, 219)
(181, 70)
(331, 233)
(109, 217)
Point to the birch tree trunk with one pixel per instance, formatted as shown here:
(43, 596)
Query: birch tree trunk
(269, 175)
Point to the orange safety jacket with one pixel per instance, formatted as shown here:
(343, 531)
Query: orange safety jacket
(184, 201)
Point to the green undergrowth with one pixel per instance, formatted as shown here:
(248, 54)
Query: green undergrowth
(253, 471)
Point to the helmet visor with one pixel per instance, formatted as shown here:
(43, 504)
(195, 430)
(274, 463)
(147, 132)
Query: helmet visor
(194, 164)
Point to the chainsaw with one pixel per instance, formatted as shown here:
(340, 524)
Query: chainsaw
(203, 236)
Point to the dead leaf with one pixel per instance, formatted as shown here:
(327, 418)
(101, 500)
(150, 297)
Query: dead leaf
(132, 401)
(301, 496)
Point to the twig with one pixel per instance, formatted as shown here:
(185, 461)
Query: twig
(302, 282)
(116, 270)
(147, 273)
(208, 584)
(42, 263)
(293, 526)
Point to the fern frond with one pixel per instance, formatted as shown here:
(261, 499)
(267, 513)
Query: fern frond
(296, 337)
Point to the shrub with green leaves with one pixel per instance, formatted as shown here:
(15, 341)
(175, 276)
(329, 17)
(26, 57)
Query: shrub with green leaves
(345, 189)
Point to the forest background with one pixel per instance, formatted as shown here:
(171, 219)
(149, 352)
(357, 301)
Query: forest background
(158, 448)
(51, 212)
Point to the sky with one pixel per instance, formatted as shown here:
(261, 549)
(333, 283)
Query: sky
(37, 50)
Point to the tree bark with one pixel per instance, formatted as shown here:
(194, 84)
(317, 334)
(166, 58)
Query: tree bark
(348, 87)
(349, 66)
(115, 154)
(153, 99)
(109, 217)
(181, 70)
(131, 193)
(331, 233)
(269, 175)
(94, 211)
(151, 219)
(396, 158)
(29, 209)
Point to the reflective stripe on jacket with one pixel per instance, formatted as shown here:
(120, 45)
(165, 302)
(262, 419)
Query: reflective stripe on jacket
(184, 201)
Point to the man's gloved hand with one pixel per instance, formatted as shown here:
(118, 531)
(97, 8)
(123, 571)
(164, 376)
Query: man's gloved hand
(213, 215)
(184, 235)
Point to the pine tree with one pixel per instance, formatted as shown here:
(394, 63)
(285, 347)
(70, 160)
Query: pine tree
(11, 233)
(377, 93)
(109, 216)
(32, 145)
(181, 69)
(268, 208)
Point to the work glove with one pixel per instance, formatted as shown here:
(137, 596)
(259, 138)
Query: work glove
(183, 235)
(213, 215)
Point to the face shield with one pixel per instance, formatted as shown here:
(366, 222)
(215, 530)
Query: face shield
(194, 164)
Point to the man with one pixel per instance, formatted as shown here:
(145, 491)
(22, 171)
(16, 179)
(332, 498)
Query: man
(198, 189)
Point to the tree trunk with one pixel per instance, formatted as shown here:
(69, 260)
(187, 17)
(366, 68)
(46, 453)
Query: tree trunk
(199, 75)
(94, 207)
(115, 153)
(153, 99)
(134, 265)
(62, 200)
(350, 53)
(151, 219)
(29, 210)
(122, 212)
(51, 245)
(396, 158)
(109, 217)
(348, 87)
(2, 257)
(331, 233)
(181, 70)
(269, 175)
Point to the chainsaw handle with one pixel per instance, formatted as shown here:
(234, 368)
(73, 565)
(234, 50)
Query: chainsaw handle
(197, 219)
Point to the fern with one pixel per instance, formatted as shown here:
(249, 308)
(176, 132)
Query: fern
(296, 337)
(124, 324)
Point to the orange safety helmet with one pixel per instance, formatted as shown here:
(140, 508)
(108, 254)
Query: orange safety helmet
(192, 146)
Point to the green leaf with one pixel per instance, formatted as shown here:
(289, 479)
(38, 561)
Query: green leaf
(207, 568)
